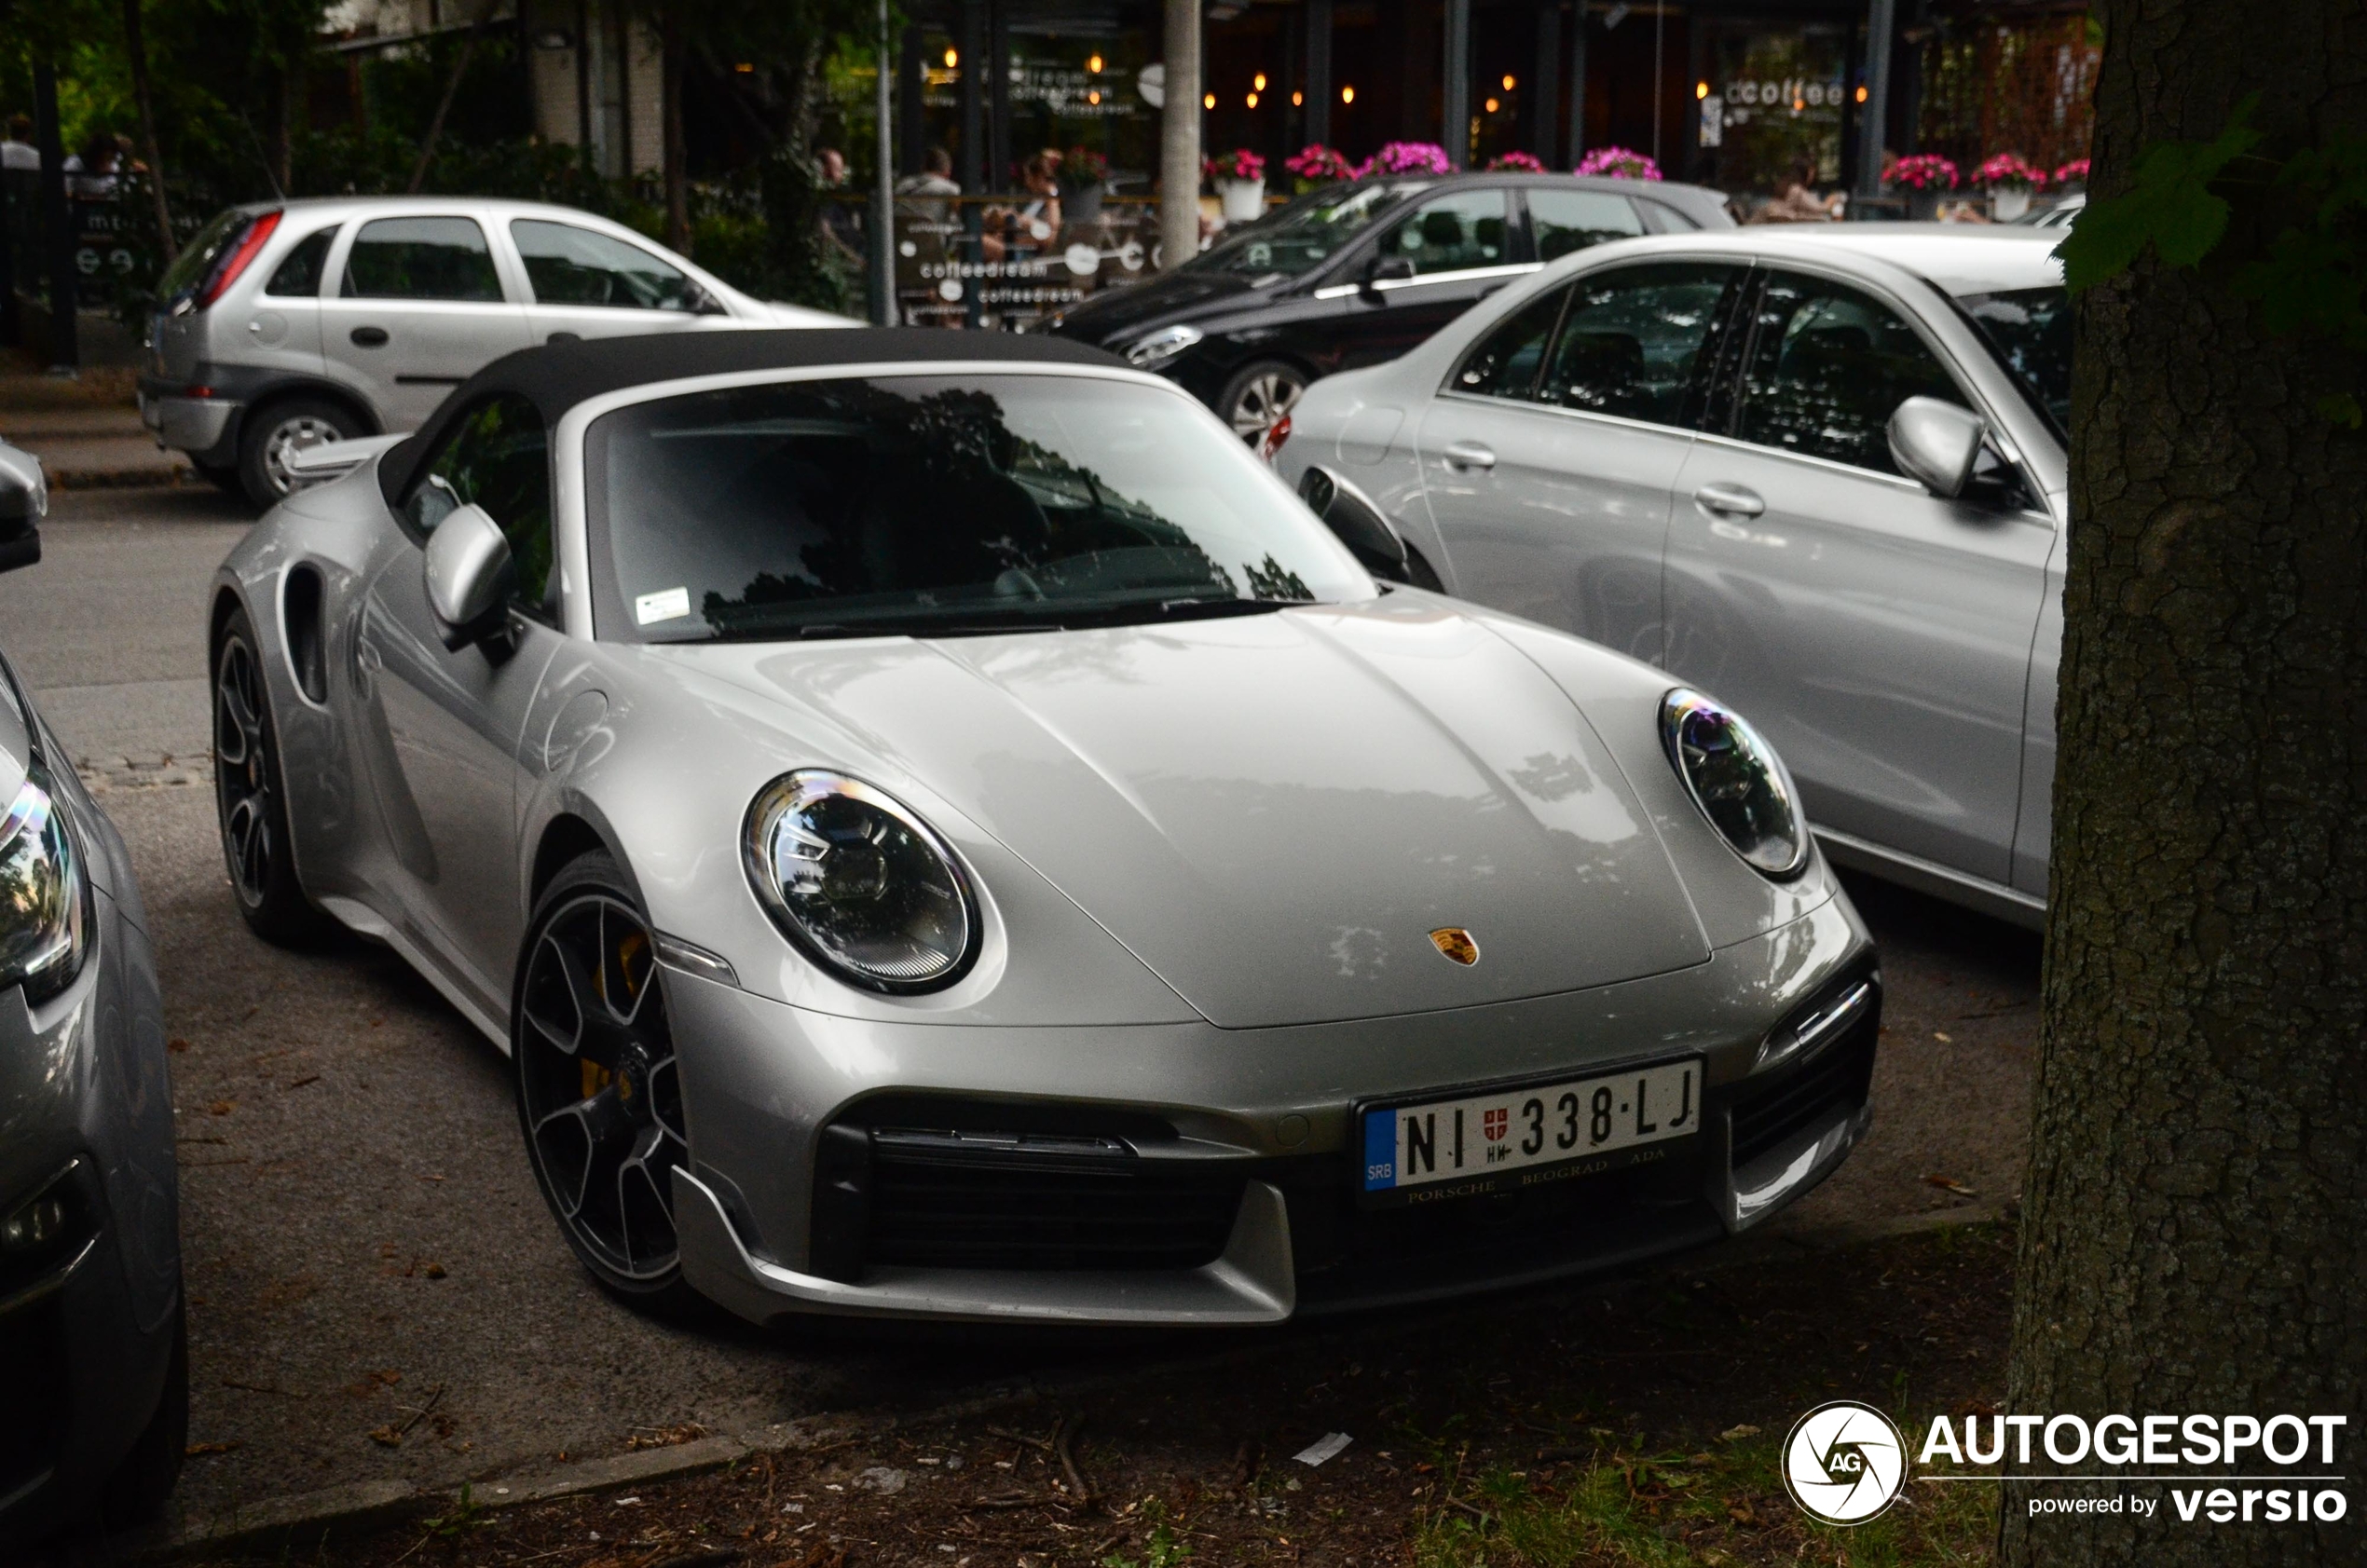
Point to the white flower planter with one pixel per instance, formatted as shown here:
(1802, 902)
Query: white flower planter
(2008, 202)
(1244, 199)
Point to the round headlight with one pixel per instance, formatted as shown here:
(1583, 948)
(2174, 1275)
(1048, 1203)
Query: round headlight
(860, 884)
(1738, 782)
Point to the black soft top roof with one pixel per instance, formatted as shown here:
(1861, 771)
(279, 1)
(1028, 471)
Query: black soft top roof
(559, 375)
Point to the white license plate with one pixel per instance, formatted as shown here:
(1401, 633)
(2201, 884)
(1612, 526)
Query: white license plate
(1504, 1139)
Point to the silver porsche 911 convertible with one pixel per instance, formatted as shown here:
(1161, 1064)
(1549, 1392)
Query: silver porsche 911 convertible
(940, 829)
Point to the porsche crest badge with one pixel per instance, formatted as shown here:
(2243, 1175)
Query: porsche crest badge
(1456, 944)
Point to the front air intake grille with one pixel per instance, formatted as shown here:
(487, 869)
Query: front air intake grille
(1813, 1094)
(954, 1201)
(962, 1186)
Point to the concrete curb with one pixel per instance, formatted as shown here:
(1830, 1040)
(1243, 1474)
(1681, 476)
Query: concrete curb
(284, 1527)
(121, 479)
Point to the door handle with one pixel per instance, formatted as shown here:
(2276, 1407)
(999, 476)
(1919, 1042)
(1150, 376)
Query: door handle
(565, 337)
(368, 337)
(1469, 455)
(366, 653)
(1729, 500)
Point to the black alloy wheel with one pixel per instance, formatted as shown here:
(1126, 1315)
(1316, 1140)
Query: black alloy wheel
(600, 1097)
(248, 801)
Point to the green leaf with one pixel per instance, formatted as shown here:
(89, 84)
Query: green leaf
(2341, 408)
(2172, 208)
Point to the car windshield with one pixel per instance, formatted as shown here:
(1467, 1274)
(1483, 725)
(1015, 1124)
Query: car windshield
(937, 506)
(1303, 235)
(2030, 331)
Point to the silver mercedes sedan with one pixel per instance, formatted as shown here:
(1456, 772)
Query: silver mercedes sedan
(941, 829)
(1818, 471)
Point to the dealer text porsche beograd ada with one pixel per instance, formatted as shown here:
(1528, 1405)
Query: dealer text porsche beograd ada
(942, 829)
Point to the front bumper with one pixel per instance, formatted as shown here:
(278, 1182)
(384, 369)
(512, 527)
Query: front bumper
(1186, 1174)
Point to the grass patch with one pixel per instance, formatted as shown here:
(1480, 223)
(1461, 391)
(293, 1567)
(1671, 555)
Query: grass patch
(1655, 1510)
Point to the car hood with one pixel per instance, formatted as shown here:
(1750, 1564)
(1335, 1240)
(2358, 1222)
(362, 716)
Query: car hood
(1112, 318)
(1274, 813)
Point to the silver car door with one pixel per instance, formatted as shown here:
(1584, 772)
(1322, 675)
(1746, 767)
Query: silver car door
(583, 283)
(450, 763)
(2035, 828)
(1549, 469)
(1880, 635)
(284, 330)
(418, 308)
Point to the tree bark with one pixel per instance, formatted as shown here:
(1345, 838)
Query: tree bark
(2195, 1234)
(1179, 138)
(443, 104)
(677, 156)
(135, 49)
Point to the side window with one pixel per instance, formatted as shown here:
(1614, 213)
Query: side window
(1567, 221)
(1828, 367)
(1452, 233)
(572, 265)
(421, 258)
(1632, 338)
(298, 276)
(497, 457)
(1506, 362)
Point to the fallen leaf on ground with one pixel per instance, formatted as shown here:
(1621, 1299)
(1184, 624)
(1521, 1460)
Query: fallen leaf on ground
(195, 1449)
(386, 1436)
(222, 1107)
(1736, 1434)
(1951, 1184)
(176, 1045)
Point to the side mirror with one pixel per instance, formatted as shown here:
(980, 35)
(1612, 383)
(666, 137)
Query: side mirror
(1361, 525)
(1388, 269)
(470, 578)
(1936, 443)
(25, 501)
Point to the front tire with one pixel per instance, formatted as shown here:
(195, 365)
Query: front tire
(1260, 393)
(144, 1479)
(599, 1096)
(279, 431)
(250, 805)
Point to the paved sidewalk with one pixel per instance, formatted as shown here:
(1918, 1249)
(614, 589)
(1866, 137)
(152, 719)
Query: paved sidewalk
(86, 431)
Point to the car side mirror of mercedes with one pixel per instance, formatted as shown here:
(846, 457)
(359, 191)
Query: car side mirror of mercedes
(1360, 525)
(25, 501)
(1936, 443)
(470, 576)
(1388, 269)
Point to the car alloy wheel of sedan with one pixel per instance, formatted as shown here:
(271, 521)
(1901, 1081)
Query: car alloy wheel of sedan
(598, 1094)
(1259, 396)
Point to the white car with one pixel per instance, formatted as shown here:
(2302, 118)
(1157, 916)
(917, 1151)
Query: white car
(1818, 471)
(286, 324)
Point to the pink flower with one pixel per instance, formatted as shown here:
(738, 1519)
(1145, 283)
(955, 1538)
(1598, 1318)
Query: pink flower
(1619, 163)
(2072, 173)
(1408, 158)
(1318, 162)
(2009, 171)
(1518, 163)
(1239, 164)
(1924, 171)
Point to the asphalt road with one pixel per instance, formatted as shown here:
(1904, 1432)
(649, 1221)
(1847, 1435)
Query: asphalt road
(376, 1289)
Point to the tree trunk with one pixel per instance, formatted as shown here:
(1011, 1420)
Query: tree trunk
(677, 156)
(443, 104)
(803, 269)
(290, 111)
(135, 49)
(1179, 138)
(2195, 1234)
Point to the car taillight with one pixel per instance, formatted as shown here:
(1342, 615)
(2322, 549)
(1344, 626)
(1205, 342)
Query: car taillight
(1275, 433)
(234, 260)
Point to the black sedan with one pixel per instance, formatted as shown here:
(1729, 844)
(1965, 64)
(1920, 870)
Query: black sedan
(1355, 274)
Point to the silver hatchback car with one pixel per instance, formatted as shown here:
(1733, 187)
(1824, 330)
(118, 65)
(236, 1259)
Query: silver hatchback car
(286, 324)
(1820, 473)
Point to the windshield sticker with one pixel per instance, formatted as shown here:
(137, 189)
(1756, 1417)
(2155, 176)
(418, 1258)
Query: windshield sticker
(666, 604)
